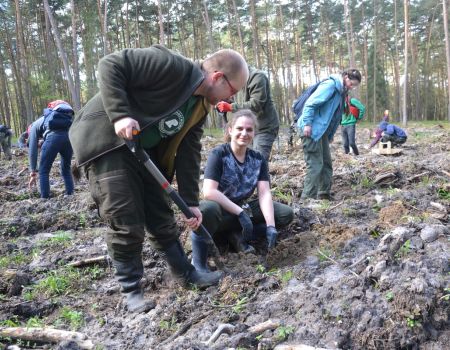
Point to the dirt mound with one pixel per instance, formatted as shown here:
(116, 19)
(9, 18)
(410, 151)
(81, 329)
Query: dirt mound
(366, 271)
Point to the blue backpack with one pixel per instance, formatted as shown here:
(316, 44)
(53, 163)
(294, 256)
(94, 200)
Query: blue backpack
(59, 118)
(299, 103)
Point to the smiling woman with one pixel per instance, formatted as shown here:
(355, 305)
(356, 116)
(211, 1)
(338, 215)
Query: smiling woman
(233, 172)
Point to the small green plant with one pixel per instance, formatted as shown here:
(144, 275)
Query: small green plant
(287, 276)
(12, 322)
(425, 180)
(411, 322)
(349, 212)
(366, 182)
(71, 317)
(239, 306)
(323, 254)
(259, 337)
(82, 220)
(61, 238)
(446, 295)
(404, 250)
(170, 325)
(374, 233)
(95, 272)
(324, 205)
(389, 296)
(14, 259)
(34, 322)
(444, 194)
(260, 268)
(390, 191)
(284, 331)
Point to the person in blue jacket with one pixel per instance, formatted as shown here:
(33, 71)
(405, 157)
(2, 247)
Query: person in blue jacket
(56, 140)
(318, 123)
(393, 133)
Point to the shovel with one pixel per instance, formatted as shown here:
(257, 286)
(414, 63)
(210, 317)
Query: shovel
(144, 158)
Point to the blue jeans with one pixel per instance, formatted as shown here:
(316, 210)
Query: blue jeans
(348, 138)
(55, 142)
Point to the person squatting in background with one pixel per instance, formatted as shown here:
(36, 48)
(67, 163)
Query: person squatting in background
(52, 127)
(257, 97)
(320, 118)
(353, 112)
(233, 171)
(5, 141)
(389, 132)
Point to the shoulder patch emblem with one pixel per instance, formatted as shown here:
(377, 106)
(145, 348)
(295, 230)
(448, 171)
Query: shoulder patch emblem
(171, 124)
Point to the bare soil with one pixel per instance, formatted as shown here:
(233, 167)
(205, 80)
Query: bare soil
(369, 270)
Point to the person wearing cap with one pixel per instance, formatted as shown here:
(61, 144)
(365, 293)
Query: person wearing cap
(5, 141)
(53, 127)
(389, 132)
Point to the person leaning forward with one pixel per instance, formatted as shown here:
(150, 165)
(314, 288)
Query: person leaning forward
(166, 97)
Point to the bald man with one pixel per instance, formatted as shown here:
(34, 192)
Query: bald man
(167, 97)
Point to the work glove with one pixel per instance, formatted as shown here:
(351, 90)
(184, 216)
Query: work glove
(271, 234)
(224, 107)
(247, 225)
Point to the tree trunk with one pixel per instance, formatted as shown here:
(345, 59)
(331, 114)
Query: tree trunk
(447, 54)
(162, 39)
(405, 81)
(76, 69)
(208, 25)
(375, 48)
(23, 64)
(255, 40)
(238, 27)
(61, 52)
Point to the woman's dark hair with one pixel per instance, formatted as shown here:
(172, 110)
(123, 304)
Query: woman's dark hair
(352, 74)
(241, 113)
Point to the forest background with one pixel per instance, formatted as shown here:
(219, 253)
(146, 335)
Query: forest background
(49, 49)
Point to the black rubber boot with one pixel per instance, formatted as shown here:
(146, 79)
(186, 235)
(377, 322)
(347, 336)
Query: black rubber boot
(129, 274)
(237, 242)
(199, 253)
(184, 271)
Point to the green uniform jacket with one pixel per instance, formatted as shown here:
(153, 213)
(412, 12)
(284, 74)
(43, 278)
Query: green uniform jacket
(147, 85)
(349, 119)
(258, 98)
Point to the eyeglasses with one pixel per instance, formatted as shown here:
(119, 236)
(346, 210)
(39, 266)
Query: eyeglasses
(233, 90)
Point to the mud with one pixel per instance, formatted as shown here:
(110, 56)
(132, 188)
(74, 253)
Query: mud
(369, 270)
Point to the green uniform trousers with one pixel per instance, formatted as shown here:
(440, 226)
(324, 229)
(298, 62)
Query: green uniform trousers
(319, 167)
(131, 202)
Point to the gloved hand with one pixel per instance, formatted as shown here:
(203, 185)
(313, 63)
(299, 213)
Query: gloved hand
(271, 234)
(223, 107)
(247, 225)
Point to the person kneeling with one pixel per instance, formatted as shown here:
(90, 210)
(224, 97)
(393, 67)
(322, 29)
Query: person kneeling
(233, 171)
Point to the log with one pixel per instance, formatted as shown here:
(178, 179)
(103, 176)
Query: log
(89, 261)
(46, 335)
(262, 327)
(223, 328)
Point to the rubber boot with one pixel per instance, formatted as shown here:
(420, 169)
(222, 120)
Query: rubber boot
(129, 274)
(184, 271)
(199, 253)
(238, 244)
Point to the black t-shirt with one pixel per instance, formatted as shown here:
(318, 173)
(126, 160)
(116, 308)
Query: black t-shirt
(236, 180)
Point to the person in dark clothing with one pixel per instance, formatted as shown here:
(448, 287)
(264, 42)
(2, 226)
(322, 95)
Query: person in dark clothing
(232, 173)
(392, 133)
(167, 97)
(5, 141)
(353, 112)
(257, 97)
(56, 141)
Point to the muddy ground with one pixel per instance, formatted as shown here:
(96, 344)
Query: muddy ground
(369, 270)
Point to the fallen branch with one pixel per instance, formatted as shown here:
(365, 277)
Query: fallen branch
(334, 261)
(297, 347)
(418, 176)
(22, 171)
(47, 335)
(262, 327)
(335, 206)
(90, 261)
(223, 328)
